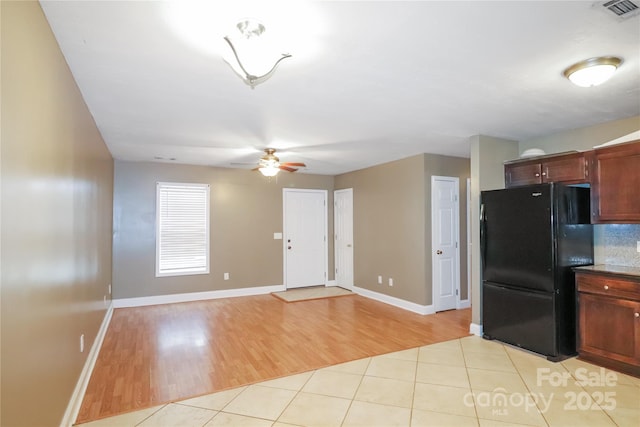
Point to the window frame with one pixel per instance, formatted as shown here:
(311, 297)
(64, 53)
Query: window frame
(187, 271)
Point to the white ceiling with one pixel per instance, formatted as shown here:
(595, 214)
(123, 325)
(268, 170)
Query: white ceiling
(369, 81)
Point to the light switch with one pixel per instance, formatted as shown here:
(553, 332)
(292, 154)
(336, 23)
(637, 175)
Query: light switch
(226, 276)
(277, 236)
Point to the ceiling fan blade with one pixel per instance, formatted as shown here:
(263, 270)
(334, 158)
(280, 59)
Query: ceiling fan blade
(287, 168)
(293, 164)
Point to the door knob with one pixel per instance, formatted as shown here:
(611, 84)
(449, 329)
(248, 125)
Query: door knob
(636, 314)
(439, 252)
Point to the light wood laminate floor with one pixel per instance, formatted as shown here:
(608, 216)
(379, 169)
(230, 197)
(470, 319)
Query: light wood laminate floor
(159, 354)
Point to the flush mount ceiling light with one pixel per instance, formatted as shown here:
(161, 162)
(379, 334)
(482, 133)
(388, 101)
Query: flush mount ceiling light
(250, 32)
(592, 71)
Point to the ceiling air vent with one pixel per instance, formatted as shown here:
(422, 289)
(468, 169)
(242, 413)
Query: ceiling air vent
(622, 9)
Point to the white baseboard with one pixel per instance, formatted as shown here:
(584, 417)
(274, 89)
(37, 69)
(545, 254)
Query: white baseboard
(465, 303)
(475, 329)
(331, 283)
(195, 296)
(397, 302)
(73, 408)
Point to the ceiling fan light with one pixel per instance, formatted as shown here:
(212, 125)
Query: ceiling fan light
(269, 171)
(592, 71)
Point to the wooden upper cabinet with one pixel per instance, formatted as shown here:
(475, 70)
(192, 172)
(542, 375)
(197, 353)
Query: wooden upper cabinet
(615, 184)
(568, 168)
(516, 174)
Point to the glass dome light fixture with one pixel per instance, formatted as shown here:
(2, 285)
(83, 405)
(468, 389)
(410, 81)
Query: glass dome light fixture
(269, 165)
(269, 171)
(592, 71)
(251, 29)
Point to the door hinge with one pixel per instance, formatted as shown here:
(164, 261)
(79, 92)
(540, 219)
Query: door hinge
(455, 197)
(456, 292)
(456, 244)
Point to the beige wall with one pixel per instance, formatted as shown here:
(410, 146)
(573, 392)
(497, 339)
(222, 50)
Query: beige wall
(583, 139)
(246, 209)
(57, 190)
(392, 223)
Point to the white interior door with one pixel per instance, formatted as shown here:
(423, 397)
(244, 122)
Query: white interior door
(343, 237)
(445, 216)
(305, 237)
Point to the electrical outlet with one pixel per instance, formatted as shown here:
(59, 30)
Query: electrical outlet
(226, 276)
(82, 343)
(379, 280)
(390, 281)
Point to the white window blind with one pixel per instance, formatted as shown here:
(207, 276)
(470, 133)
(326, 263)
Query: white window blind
(182, 221)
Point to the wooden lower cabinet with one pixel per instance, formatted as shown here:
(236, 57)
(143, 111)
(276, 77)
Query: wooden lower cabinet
(609, 321)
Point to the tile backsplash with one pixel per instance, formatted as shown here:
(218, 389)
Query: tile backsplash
(616, 244)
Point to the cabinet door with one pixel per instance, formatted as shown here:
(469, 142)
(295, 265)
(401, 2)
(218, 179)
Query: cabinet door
(615, 195)
(567, 169)
(522, 174)
(609, 328)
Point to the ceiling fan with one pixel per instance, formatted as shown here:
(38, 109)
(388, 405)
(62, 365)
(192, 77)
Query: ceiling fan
(269, 164)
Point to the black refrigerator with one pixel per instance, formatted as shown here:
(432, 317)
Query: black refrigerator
(530, 238)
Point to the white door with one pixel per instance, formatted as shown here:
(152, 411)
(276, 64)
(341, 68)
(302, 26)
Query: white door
(444, 234)
(343, 236)
(305, 237)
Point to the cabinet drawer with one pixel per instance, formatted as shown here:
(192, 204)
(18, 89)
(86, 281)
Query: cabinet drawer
(612, 287)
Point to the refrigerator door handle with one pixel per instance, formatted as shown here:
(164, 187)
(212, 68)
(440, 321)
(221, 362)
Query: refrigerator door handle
(482, 234)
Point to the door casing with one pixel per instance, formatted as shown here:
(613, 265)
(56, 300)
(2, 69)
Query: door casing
(435, 242)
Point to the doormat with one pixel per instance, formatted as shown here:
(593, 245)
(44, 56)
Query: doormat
(315, 292)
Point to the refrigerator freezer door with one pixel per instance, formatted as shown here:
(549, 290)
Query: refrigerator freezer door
(517, 237)
(521, 318)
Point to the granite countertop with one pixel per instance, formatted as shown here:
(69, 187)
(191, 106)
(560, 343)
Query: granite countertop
(614, 270)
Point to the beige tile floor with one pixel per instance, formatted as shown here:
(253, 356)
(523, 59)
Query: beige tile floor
(464, 382)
